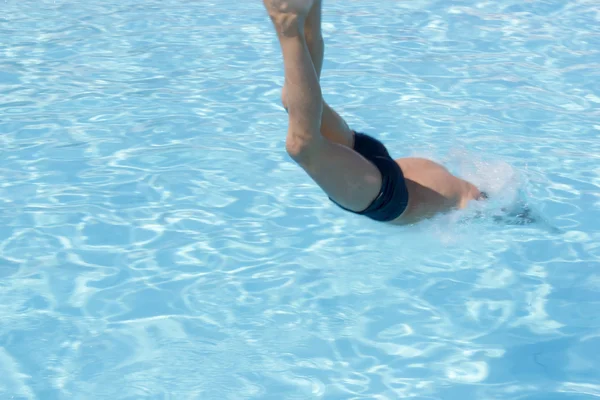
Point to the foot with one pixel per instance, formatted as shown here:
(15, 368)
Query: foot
(288, 16)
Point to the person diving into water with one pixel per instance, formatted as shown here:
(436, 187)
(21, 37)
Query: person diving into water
(354, 169)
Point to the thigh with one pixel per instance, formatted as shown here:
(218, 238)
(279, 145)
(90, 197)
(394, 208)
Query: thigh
(345, 176)
(334, 128)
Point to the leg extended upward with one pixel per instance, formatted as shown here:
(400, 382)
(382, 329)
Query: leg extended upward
(333, 127)
(355, 170)
(346, 177)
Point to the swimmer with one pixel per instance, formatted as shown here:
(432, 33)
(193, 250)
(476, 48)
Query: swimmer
(354, 169)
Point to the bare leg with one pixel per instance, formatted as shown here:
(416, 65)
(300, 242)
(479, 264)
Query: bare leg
(343, 174)
(333, 126)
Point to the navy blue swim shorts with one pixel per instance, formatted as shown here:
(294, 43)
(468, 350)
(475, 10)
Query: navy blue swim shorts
(393, 196)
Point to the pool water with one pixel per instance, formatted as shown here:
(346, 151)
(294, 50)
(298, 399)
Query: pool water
(158, 243)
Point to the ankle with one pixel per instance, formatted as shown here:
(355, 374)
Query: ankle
(288, 25)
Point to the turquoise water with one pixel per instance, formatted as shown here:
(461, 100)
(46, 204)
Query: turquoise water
(157, 242)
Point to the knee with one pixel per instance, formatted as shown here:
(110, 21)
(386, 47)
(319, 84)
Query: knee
(299, 149)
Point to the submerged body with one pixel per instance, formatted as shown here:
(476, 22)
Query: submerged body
(354, 169)
(432, 189)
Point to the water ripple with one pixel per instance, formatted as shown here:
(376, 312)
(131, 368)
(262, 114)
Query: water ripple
(157, 242)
